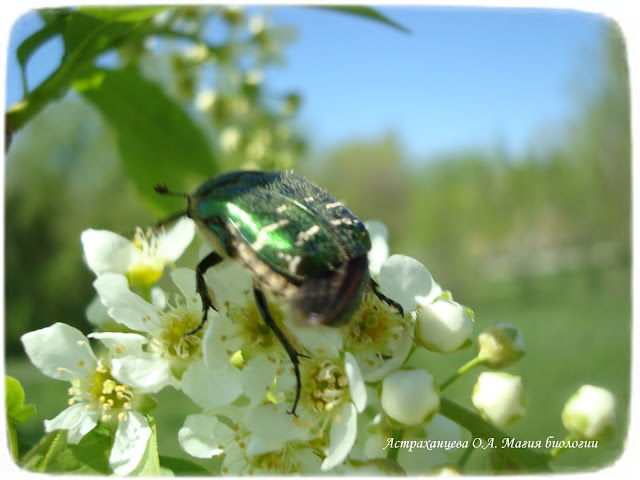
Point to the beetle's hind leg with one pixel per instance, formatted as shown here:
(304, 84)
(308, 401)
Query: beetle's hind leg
(263, 307)
(376, 289)
(205, 264)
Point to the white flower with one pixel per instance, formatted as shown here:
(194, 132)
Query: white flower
(330, 382)
(590, 413)
(333, 394)
(170, 350)
(205, 99)
(378, 336)
(97, 392)
(230, 138)
(375, 443)
(499, 398)
(239, 346)
(262, 440)
(410, 396)
(196, 53)
(408, 282)
(142, 260)
(253, 77)
(501, 345)
(446, 471)
(439, 428)
(443, 326)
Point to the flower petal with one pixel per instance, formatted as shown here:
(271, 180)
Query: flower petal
(123, 305)
(319, 339)
(121, 343)
(130, 443)
(158, 298)
(105, 251)
(230, 283)
(342, 436)
(405, 280)
(97, 314)
(76, 420)
(211, 388)
(257, 378)
(146, 372)
(357, 389)
(374, 367)
(173, 244)
(202, 435)
(60, 351)
(220, 339)
(273, 424)
(379, 252)
(185, 280)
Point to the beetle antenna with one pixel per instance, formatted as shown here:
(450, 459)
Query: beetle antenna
(162, 189)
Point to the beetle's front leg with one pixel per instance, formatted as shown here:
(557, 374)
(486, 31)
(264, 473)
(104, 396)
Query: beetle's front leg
(201, 286)
(261, 301)
(384, 298)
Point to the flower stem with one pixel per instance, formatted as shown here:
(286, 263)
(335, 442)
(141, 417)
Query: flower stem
(558, 450)
(470, 365)
(529, 459)
(465, 456)
(397, 433)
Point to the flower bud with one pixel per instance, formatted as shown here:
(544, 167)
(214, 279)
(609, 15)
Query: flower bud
(499, 398)
(410, 396)
(446, 471)
(590, 413)
(501, 345)
(443, 326)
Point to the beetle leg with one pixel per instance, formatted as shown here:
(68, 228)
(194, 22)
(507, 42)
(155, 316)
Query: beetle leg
(384, 298)
(261, 301)
(201, 287)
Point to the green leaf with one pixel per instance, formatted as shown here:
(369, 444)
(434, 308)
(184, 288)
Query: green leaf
(54, 455)
(123, 14)
(182, 467)
(365, 12)
(158, 141)
(30, 44)
(84, 38)
(17, 411)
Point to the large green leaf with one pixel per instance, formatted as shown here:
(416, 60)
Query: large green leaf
(182, 467)
(366, 13)
(54, 455)
(124, 14)
(158, 141)
(86, 33)
(30, 44)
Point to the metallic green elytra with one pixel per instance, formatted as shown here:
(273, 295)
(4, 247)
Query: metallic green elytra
(299, 243)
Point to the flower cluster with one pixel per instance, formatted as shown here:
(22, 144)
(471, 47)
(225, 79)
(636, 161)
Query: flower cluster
(358, 387)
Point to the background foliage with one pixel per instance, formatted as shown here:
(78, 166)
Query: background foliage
(540, 240)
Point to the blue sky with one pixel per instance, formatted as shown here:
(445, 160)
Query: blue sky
(462, 78)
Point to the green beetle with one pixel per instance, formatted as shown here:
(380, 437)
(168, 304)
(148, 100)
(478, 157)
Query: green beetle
(299, 242)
